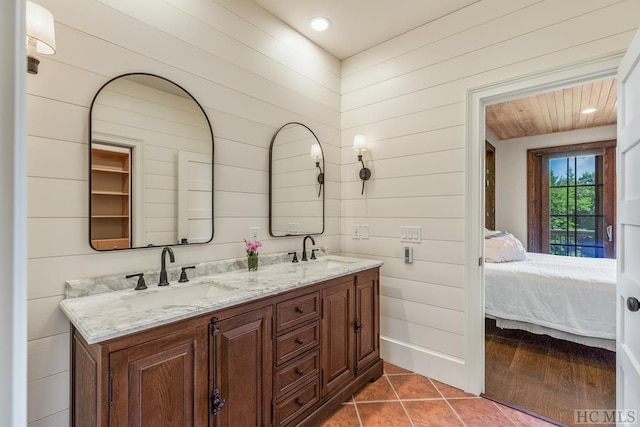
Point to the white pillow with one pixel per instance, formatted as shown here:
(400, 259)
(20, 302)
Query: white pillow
(504, 249)
(490, 234)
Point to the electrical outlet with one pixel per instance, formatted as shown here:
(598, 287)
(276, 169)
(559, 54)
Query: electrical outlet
(364, 231)
(355, 232)
(253, 233)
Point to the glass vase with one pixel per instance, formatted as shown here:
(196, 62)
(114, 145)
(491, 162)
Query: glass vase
(252, 262)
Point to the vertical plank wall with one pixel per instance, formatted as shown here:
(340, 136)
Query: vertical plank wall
(407, 96)
(250, 72)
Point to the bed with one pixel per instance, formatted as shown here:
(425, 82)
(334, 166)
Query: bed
(564, 297)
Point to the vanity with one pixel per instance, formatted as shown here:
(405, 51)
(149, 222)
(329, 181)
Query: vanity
(284, 345)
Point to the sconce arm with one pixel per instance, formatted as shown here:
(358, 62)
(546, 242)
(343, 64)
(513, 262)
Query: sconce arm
(320, 178)
(365, 173)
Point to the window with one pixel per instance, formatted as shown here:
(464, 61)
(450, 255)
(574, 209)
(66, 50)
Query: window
(576, 206)
(572, 200)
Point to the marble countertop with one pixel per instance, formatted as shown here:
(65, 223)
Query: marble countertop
(107, 315)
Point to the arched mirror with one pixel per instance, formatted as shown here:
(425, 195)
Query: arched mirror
(296, 182)
(151, 165)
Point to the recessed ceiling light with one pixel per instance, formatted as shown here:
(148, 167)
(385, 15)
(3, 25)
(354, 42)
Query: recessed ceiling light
(319, 23)
(589, 111)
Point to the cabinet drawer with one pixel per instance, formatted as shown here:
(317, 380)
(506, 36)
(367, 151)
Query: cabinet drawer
(297, 403)
(297, 311)
(296, 372)
(297, 342)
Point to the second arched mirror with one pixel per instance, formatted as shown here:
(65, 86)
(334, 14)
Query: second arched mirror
(296, 182)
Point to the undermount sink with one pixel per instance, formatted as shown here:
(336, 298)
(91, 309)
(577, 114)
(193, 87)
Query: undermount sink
(328, 263)
(179, 294)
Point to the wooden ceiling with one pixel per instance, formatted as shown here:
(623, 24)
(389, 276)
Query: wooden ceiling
(554, 111)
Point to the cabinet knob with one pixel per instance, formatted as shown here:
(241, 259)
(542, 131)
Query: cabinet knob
(299, 340)
(299, 310)
(300, 402)
(299, 372)
(633, 304)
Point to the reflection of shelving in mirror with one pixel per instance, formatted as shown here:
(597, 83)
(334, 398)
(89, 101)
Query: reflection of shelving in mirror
(110, 197)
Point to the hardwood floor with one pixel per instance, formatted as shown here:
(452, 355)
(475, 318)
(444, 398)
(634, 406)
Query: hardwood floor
(548, 376)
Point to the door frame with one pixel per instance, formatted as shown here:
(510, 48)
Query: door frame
(598, 68)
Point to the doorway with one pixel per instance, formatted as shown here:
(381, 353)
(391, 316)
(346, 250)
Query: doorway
(477, 99)
(540, 325)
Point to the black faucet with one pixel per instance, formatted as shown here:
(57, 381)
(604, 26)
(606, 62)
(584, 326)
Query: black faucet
(304, 246)
(163, 269)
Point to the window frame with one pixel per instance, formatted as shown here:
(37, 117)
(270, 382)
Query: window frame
(538, 194)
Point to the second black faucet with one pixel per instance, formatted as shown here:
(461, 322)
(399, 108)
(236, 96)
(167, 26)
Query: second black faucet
(304, 246)
(163, 264)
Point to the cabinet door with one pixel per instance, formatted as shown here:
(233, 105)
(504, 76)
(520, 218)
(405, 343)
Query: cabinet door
(241, 359)
(157, 383)
(367, 319)
(337, 336)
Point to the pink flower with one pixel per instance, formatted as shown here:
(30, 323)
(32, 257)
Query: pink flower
(252, 246)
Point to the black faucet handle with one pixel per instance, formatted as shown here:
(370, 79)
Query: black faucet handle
(295, 256)
(141, 284)
(313, 253)
(183, 274)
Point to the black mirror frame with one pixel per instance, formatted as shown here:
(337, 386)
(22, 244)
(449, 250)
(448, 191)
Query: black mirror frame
(89, 165)
(271, 183)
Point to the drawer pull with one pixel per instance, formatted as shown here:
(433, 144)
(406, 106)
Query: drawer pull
(300, 402)
(299, 310)
(300, 341)
(299, 372)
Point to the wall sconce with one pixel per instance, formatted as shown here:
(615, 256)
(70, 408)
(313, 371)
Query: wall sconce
(316, 153)
(41, 37)
(360, 145)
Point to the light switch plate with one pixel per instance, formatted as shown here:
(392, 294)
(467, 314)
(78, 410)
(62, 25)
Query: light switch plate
(364, 231)
(410, 234)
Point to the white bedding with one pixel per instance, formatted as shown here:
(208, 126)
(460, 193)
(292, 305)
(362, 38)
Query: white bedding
(569, 294)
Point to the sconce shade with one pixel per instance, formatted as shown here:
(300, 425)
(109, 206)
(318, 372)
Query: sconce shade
(316, 151)
(41, 29)
(359, 143)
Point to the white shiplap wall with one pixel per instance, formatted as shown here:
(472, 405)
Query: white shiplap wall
(250, 72)
(408, 96)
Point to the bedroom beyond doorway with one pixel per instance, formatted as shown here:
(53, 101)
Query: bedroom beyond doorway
(550, 323)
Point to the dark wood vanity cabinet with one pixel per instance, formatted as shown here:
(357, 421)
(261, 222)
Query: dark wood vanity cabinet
(367, 323)
(156, 383)
(338, 335)
(289, 359)
(241, 367)
(153, 378)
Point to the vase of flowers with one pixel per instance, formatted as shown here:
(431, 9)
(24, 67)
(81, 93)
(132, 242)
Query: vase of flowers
(252, 254)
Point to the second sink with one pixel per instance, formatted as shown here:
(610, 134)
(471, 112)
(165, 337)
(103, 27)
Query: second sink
(190, 294)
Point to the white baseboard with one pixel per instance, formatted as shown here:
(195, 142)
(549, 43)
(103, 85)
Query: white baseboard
(440, 367)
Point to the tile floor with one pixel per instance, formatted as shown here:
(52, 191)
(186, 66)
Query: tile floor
(402, 398)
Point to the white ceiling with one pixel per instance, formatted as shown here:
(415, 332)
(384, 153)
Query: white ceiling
(357, 25)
